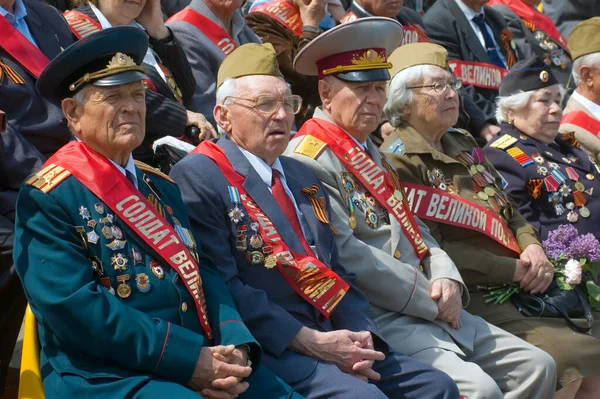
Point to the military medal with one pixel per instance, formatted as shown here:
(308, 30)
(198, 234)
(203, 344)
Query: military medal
(572, 173)
(99, 208)
(81, 231)
(105, 281)
(97, 265)
(579, 186)
(116, 245)
(138, 258)
(482, 196)
(347, 182)
(92, 223)
(589, 176)
(123, 290)
(572, 217)
(584, 212)
(351, 217)
(552, 165)
(116, 232)
(564, 190)
(110, 217)
(142, 282)
(256, 240)
(157, 270)
(92, 237)
(107, 232)
(236, 214)
(84, 213)
(119, 262)
(542, 170)
(270, 259)
(241, 244)
(370, 200)
(371, 218)
(255, 257)
(537, 158)
(551, 183)
(589, 191)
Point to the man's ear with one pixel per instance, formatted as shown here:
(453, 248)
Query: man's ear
(585, 72)
(325, 92)
(221, 115)
(73, 111)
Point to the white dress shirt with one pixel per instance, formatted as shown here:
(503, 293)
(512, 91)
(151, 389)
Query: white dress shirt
(130, 167)
(589, 105)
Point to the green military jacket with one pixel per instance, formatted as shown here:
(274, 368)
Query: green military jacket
(480, 259)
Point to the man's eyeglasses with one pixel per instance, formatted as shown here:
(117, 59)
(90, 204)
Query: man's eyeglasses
(440, 86)
(268, 105)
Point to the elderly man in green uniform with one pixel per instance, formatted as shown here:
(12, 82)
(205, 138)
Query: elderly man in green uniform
(126, 304)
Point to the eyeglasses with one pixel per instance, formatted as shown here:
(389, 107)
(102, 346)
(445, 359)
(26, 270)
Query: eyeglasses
(440, 86)
(268, 105)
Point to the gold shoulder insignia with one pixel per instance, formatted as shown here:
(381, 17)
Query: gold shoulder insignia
(310, 146)
(149, 169)
(48, 178)
(459, 131)
(504, 142)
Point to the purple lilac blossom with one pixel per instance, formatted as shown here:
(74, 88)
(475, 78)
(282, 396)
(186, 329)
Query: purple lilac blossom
(584, 246)
(559, 240)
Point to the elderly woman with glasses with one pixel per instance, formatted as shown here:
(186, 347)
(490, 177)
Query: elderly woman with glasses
(458, 193)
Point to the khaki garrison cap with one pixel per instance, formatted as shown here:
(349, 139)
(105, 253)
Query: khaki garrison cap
(249, 59)
(585, 38)
(414, 54)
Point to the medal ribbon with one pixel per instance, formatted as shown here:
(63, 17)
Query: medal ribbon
(284, 13)
(582, 120)
(379, 183)
(21, 49)
(214, 32)
(442, 207)
(309, 277)
(103, 179)
(479, 74)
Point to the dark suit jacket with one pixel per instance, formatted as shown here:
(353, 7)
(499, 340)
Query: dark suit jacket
(172, 7)
(271, 309)
(447, 26)
(164, 115)
(567, 14)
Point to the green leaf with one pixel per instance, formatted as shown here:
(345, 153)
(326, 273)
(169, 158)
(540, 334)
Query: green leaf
(563, 285)
(593, 290)
(595, 304)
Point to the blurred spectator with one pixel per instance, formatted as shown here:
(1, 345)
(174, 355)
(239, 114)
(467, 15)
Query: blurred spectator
(536, 35)
(208, 30)
(172, 7)
(62, 5)
(480, 50)
(568, 13)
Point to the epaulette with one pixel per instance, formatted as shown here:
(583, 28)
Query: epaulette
(149, 169)
(310, 146)
(504, 142)
(48, 178)
(459, 131)
(397, 147)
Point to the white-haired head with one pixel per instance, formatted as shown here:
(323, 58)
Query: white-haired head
(591, 61)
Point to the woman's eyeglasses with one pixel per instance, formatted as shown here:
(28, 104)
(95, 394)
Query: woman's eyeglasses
(440, 86)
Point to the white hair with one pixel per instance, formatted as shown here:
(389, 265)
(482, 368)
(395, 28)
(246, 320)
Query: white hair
(590, 60)
(227, 89)
(514, 102)
(399, 96)
(82, 95)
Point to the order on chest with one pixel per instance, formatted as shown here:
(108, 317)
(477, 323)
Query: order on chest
(361, 204)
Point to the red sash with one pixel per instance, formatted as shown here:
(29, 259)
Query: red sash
(582, 120)
(309, 277)
(210, 29)
(414, 34)
(103, 179)
(381, 185)
(21, 49)
(284, 13)
(441, 207)
(478, 74)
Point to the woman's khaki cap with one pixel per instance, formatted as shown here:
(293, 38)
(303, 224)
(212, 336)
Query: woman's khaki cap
(585, 38)
(414, 54)
(249, 59)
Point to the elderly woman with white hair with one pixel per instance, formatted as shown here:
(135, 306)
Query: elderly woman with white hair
(458, 193)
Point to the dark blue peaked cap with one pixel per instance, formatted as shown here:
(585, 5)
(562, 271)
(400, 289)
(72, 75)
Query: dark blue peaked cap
(109, 57)
(526, 75)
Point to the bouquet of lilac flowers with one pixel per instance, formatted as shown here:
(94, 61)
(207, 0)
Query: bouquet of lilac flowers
(576, 260)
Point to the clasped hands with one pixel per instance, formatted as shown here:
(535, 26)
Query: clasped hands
(447, 293)
(220, 372)
(534, 272)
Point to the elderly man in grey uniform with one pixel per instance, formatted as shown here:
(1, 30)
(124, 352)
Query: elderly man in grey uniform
(208, 30)
(414, 287)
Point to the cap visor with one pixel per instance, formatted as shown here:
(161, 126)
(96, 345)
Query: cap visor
(374, 75)
(120, 79)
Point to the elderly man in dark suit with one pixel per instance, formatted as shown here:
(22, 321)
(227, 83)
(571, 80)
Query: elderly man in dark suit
(264, 221)
(479, 49)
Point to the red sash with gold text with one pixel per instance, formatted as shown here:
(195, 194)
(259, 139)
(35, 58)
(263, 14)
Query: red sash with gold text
(210, 29)
(479, 74)
(21, 49)
(309, 277)
(414, 34)
(284, 13)
(381, 185)
(103, 179)
(582, 120)
(442, 207)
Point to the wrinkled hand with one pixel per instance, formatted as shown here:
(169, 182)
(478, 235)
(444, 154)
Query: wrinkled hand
(488, 131)
(216, 379)
(540, 272)
(449, 301)
(151, 18)
(206, 129)
(311, 11)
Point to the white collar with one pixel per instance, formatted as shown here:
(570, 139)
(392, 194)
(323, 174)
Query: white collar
(105, 23)
(320, 114)
(590, 105)
(264, 171)
(468, 11)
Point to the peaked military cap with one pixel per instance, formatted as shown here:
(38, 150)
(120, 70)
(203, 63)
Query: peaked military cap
(109, 57)
(414, 54)
(585, 38)
(249, 59)
(355, 51)
(530, 74)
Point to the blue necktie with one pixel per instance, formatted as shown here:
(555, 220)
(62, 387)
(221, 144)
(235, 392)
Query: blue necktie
(490, 47)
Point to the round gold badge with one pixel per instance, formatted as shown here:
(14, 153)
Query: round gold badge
(544, 76)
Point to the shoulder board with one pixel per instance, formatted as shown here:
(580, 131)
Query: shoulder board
(458, 131)
(48, 178)
(149, 169)
(504, 142)
(310, 146)
(396, 147)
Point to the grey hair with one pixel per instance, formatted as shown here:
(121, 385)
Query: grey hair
(399, 96)
(81, 97)
(228, 88)
(514, 102)
(590, 60)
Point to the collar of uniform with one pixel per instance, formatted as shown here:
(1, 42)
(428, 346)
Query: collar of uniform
(264, 171)
(414, 143)
(320, 114)
(589, 105)
(130, 167)
(19, 13)
(238, 22)
(468, 11)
